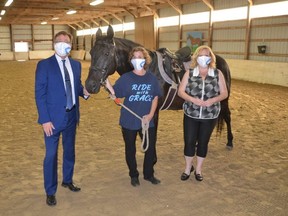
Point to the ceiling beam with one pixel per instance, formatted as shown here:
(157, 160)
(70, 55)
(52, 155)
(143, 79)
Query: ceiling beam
(78, 25)
(86, 24)
(116, 17)
(72, 27)
(105, 20)
(96, 23)
(174, 6)
(209, 3)
(130, 12)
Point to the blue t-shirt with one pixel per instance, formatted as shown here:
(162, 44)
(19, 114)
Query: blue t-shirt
(139, 92)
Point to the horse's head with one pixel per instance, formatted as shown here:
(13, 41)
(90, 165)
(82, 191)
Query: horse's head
(103, 60)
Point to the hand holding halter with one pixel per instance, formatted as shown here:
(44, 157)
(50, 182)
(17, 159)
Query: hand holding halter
(107, 86)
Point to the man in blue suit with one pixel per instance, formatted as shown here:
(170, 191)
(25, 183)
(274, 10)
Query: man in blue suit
(57, 90)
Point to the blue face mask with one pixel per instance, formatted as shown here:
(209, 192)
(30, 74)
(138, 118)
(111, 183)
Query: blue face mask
(62, 48)
(138, 64)
(204, 61)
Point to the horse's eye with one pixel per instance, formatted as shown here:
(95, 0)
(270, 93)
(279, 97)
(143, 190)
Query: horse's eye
(107, 54)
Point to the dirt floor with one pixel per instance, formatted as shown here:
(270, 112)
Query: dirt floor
(252, 179)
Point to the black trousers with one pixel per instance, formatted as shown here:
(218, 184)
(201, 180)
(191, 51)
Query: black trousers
(197, 134)
(129, 137)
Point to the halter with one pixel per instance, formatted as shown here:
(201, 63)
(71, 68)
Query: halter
(103, 70)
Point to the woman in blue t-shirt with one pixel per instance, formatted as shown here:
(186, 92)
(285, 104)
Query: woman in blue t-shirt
(141, 90)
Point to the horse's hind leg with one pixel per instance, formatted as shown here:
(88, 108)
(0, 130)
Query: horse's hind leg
(156, 120)
(227, 119)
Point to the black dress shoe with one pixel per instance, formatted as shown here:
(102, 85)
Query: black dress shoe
(198, 177)
(185, 176)
(51, 200)
(153, 180)
(135, 181)
(71, 186)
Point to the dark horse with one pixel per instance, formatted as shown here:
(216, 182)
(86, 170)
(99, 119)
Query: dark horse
(110, 54)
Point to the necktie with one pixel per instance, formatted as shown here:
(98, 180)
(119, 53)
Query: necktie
(68, 87)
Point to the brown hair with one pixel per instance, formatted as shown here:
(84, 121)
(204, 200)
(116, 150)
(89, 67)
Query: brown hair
(196, 54)
(63, 33)
(145, 54)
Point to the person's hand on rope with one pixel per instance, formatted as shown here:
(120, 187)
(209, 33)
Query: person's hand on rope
(146, 119)
(115, 99)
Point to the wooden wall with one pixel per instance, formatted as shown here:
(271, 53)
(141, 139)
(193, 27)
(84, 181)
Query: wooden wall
(145, 32)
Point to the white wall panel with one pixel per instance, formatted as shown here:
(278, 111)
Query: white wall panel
(43, 45)
(237, 47)
(269, 20)
(58, 28)
(167, 12)
(270, 32)
(229, 34)
(231, 24)
(21, 32)
(88, 42)
(196, 7)
(80, 43)
(170, 45)
(224, 4)
(5, 40)
(42, 32)
(128, 19)
(130, 35)
(256, 2)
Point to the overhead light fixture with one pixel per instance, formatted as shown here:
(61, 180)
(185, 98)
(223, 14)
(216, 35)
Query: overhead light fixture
(43, 23)
(2, 12)
(8, 3)
(96, 2)
(55, 18)
(71, 11)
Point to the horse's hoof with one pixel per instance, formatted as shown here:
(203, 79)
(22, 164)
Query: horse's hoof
(229, 147)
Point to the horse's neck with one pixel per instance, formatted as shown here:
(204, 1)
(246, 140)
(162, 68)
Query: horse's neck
(123, 48)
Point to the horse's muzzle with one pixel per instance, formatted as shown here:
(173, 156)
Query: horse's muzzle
(92, 87)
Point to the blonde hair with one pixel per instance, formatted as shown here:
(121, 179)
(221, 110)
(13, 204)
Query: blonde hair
(196, 54)
(145, 54)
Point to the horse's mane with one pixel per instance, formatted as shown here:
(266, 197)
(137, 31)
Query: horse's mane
(121, 42)
(123, 48)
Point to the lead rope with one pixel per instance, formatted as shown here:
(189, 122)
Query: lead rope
(145, 126)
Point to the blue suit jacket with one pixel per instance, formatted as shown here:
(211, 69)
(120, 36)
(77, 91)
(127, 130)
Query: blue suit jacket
(50, 91)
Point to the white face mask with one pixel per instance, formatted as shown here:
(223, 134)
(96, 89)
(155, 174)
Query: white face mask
(138, 64)
(204, 61)
(62, 48)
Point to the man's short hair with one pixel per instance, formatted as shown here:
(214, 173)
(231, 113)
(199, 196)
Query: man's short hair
(63, 33)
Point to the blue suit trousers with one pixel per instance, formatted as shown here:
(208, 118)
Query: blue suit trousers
(50, 166)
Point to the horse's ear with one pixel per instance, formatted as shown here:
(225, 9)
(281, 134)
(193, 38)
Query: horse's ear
(99, 33)
(110, 32)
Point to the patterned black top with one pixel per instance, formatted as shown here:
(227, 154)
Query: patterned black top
(202, 89)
